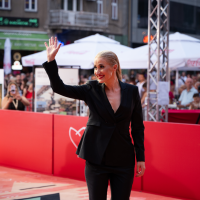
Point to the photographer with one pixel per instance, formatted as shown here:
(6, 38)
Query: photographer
(187, 95)
(13, 100)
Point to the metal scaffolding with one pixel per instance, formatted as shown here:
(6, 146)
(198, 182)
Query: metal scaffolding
(158, 60)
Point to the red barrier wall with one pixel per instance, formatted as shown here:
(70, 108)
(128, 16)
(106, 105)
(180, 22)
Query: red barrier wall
(66, 162)
(172, 159)
(26, 140)
(183, 116)
(171, 151)
(66, 139)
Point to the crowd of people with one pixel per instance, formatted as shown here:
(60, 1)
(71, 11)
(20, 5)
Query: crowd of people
(185, 96)
(188, 91)
(18, 91)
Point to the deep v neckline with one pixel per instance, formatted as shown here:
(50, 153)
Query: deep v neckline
(109, 101)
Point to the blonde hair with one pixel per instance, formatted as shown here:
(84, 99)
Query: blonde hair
(11, 83)
(112, 59)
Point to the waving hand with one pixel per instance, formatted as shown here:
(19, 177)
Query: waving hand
(52, 49)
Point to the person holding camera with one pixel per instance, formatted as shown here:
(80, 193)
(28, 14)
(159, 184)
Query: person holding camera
(13, 100)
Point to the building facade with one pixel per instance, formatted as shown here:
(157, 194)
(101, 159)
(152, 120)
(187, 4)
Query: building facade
(29, 23)
(184, 18)
(74, 19)
(24, 22)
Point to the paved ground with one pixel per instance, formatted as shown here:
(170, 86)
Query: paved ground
(19, 184)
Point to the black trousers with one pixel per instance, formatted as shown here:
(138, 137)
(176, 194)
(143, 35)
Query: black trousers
(97, 177)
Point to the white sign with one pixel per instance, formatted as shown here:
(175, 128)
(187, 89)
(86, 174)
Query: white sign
(1, 86)
(46, 100)
(17, 66)
(1, 76)
(68, 76)
(163, 93)
(193, 63)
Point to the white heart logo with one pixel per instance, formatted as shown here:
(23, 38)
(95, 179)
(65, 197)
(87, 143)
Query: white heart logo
(76, 133)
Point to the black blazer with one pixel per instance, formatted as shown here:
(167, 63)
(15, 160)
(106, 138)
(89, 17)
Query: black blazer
(106, 136)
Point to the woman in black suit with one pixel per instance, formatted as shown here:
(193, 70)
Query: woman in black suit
(106, 144)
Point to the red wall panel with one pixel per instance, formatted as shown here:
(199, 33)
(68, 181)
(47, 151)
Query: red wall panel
(66, 162)
(26, 140)
(67, 134)
(172, 159)
(171, 150)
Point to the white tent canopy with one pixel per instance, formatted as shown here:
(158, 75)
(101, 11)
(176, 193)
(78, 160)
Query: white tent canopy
(184, 53)
(81, 53)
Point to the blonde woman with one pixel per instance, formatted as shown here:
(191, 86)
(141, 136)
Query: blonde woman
(13, 100)
(106, 144)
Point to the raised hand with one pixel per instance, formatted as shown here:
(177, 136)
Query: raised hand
(52, 49)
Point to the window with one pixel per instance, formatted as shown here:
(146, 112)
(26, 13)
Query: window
(79, 5)
(99, 6)
(183, 18)
(114, 9)
(72, 5)
(5, 5)
(31, 5)
(198, 19)
(142, 14)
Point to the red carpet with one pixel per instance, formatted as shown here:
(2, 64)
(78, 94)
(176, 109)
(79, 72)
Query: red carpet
(19, 184)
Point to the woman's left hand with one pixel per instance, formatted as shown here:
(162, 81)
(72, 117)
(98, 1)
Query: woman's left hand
(140, 166)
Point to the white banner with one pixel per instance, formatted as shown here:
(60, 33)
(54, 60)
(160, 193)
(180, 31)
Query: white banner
(163, 93)
(7, 56)
(46, 100)
(1, 86)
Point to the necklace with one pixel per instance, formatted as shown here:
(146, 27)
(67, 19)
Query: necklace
(15, 104)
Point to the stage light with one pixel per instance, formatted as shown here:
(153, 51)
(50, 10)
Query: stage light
(145, 38)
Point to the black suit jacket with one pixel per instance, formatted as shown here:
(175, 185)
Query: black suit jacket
(106, 136)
